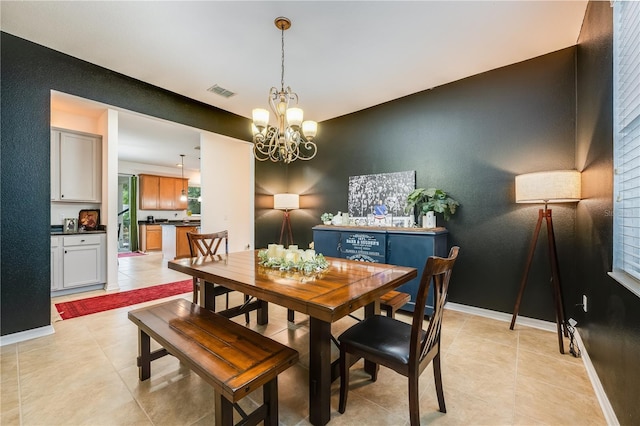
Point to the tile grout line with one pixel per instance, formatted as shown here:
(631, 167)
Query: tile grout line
(19, 385)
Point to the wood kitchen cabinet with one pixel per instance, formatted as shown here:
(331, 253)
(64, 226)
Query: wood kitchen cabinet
(149, 192)
(182, 241)
(154, 237)
(150, 237)
(178, 186)
(175, 244)
(162, 192)
(76, 166)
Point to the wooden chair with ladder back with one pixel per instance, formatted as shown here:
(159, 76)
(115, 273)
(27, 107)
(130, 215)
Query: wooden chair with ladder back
(405, 348)
(208, 244)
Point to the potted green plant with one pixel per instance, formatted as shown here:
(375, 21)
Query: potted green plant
(326, 218)
(430, 201)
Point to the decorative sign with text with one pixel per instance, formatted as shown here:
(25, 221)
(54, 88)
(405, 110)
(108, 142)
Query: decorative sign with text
(364, 247)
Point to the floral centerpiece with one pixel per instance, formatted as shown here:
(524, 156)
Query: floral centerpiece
(292, 259)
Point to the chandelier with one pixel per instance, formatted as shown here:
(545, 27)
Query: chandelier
(292, 138)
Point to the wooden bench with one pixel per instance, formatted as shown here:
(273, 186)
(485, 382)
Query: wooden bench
(392, 301)
(233, 359)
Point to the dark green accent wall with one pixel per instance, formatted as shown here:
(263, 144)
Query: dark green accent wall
(611, 327)
(470, 138)
(29, 72)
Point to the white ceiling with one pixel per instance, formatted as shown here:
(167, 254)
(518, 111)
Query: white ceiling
(340, 56)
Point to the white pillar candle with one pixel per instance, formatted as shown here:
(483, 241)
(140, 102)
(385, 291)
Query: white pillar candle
(290, 256)
(279, 251)
(271, 251)
(309, 255)
(293, 247)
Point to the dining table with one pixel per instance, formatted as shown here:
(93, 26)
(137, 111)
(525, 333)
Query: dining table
(326, 296)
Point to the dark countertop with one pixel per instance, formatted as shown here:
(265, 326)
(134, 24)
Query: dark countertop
(171, 222)
(60, 232)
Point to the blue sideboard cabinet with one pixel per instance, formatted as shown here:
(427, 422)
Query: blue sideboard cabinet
(395, 246)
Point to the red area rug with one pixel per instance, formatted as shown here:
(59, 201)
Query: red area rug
(131, 254)
(107, 302)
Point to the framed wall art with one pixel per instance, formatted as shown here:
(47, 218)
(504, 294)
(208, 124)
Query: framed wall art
(380, 199)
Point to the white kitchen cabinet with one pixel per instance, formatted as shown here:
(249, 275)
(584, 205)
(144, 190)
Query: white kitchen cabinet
(76, 166)
(55, 165)
(83, 260)
(56, 266)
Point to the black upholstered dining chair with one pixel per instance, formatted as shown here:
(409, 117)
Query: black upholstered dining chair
(404, 348)
(208, 245)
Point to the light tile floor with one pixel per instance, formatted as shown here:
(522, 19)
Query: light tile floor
(85, 374)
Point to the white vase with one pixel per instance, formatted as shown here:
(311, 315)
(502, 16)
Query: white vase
(429, 220)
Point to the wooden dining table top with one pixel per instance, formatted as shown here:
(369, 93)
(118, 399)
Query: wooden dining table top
(328, 295)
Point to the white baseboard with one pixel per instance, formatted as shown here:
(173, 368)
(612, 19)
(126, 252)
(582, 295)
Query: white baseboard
(501, 316)
(26, 335)
(607, 409)
(605, 405)
(112, 286)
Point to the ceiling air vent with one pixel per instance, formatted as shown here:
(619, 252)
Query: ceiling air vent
(221, 91)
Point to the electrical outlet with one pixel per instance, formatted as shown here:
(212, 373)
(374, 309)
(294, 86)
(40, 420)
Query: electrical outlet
(584, 302)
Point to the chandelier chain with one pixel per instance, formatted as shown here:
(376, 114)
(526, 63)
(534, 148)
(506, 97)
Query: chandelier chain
(282, 59)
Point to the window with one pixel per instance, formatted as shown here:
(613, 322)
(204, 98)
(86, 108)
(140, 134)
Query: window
(626, 95)
(193, 199)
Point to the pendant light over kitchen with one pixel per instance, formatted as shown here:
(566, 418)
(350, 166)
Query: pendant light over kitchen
(183, 196)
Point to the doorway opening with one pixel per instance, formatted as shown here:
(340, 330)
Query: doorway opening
(124, 215)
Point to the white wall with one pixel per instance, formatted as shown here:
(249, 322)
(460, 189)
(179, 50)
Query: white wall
(75, 121)
(227, 175)
(109, 128)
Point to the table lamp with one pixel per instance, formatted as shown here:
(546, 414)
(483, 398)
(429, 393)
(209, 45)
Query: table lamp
(286, 202)
(559, 186)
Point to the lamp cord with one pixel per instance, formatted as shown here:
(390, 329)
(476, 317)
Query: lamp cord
(573, 348)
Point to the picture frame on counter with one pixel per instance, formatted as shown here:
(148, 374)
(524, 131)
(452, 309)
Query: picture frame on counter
(70, 225)
(89, 220)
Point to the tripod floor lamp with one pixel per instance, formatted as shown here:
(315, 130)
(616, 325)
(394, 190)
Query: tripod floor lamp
(560, 186)
(286, 202)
